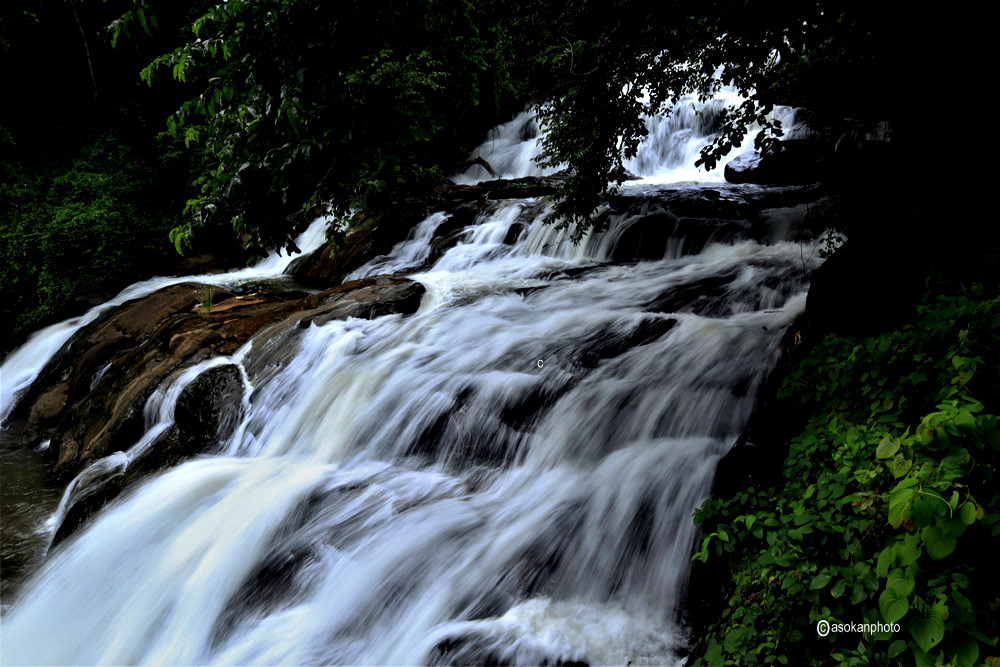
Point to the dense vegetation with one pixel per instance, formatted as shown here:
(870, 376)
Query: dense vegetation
(87, 192)
(297, 101)
(887, 508)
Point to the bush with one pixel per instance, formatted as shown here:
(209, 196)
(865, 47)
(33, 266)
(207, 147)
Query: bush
(79, 227)
(888, 508)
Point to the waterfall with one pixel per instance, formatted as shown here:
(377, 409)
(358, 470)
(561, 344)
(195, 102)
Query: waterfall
(506, 475)
(667, 155)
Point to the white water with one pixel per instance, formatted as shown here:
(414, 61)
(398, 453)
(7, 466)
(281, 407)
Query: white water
(23, 365)
(507, 475)
(666, 155)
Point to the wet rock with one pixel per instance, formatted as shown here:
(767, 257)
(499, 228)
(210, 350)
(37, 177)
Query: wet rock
(47, 407)
(698, 297)
(514, 233)
(207, 410)
(86, 507)
(69, 453)
(367, 239)
(367, 298)
(515, 188)
(91, 397)
(621, 174)
(206, 413)
(610, 344)
(107, 416)
(661, 234)
(329, 264)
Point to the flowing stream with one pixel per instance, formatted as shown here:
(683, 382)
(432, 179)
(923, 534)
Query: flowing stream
(505, 476)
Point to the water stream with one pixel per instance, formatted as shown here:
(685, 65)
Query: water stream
(505, 476)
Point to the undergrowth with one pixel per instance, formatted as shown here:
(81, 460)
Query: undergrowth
(75, 227)
(887, 512)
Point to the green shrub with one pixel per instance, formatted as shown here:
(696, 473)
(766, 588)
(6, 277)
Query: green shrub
(888, 508)
(79, 226)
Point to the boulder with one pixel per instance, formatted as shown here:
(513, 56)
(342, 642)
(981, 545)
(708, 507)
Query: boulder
(207, 410)
(793, 162)
(89, 399)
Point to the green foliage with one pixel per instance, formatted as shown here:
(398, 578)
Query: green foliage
(597, 69)
(889, 508)
(207, 300)
(292, 102)
(74, 228)
(301, 101)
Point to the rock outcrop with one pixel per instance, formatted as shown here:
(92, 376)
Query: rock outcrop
(330, 264)
(89, 400)
(793, 162)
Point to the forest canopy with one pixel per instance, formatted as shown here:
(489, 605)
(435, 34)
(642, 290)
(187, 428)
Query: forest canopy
(299, 101)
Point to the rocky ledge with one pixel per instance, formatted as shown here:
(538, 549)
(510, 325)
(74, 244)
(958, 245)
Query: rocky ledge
(88, 401)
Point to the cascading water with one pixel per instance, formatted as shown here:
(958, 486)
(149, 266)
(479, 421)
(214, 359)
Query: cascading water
(505, 476)
(159, 416)
(666, 155)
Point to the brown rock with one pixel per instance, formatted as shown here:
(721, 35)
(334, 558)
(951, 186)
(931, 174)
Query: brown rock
(49, 405)
(68, 454)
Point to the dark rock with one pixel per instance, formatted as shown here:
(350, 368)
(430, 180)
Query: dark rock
(863, 290)
(89, 399)
(607, 345)
(329, 264)
(207, 409)
(368, 238)
(658, 234)
(516, 188)
(646, 238)
(695, 297)
(47, 408)
(107, 415)
(367, 298)
(514, 233)
(373, 237)
(621, 174)
(794, 162)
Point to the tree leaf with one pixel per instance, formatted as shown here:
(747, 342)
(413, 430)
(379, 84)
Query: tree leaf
(899, 503)
(901, 581)
(927, 630)
(968, 513)
(892, 605)
(900, 465)
(887, 447)
(939, 544)
(908, 551)
(885, 558)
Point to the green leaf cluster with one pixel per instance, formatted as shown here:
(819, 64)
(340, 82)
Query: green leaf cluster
(888, 512)
(78, 228)
(300, 101)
